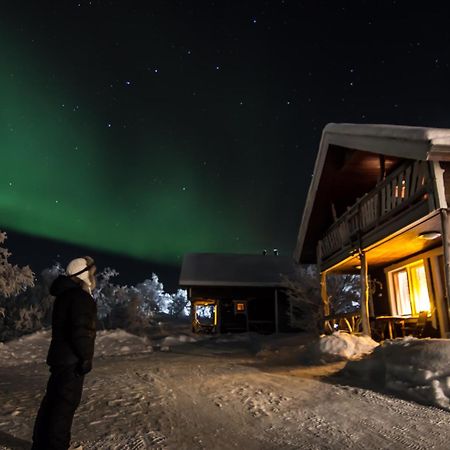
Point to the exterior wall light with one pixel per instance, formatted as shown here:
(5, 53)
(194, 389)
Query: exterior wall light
(429, 235)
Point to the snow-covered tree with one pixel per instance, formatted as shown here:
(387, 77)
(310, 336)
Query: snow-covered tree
(153, 295)
(179, 303)
(13, 279)
(106, 294)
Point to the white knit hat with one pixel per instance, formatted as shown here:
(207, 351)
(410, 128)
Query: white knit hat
(79, 267)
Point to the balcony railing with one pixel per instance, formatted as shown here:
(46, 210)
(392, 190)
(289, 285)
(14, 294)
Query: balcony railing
(406, 186)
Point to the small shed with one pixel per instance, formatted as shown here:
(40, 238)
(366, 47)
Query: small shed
(237, 292)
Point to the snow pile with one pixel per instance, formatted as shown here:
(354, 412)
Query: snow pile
(119, 342)
(341, 345)
(27, 349)
(177, 340)
(34, 347)
(418, 369)
(165, 343)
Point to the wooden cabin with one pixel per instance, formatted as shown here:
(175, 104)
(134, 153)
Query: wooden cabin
(377, 206)
(236, 292)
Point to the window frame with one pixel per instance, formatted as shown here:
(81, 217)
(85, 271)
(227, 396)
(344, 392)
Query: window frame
(407, 265)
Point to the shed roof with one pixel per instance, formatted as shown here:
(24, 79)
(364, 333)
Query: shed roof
(232, 269)
(393, 141)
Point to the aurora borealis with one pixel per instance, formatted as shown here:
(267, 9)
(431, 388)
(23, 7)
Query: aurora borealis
(151, 130)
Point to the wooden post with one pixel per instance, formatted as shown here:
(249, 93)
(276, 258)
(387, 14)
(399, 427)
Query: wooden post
(325, 301)
(324, 293)
(219, 317)
(445, 224)
(276, 312)
(364, 294)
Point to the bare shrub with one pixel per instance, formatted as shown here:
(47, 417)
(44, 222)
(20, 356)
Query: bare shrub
(304, 295)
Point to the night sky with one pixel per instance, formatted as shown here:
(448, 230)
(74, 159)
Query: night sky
(138, 133)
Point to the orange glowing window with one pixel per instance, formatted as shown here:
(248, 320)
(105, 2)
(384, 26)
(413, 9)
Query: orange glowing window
(410, 285)
(239, 307)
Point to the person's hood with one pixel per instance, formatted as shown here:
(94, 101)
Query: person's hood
(61, 284)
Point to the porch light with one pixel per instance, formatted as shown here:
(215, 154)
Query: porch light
(429, 235)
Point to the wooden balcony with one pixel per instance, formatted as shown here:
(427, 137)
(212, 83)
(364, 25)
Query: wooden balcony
(404, 196)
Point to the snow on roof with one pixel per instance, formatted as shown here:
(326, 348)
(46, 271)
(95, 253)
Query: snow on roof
(418, 143)
(434, 136)
(231, 269)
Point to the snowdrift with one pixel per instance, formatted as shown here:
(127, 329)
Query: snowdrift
(340, 345)
(310, 350)
(34, 348)
(417, 369)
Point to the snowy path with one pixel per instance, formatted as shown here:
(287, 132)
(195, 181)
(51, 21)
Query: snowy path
(192, 398)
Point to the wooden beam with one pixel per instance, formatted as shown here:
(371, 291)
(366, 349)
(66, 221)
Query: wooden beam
(364, 294)
(445, 224)
(382, 175)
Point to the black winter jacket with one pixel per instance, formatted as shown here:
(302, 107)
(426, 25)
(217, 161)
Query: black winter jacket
(73, 324)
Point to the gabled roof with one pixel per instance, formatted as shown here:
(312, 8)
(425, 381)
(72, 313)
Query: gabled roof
(393, 141)
(231, 269)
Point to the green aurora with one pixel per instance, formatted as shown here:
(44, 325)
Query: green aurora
(66, 177)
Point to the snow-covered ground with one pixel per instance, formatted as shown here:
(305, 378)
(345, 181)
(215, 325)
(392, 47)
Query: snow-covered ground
(180, 391)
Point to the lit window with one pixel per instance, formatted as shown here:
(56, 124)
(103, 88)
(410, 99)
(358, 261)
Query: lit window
(239, 307)
(411, 289)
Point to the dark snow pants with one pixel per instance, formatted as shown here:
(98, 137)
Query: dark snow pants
(55, 415)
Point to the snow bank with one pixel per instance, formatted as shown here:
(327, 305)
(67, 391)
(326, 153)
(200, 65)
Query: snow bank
(418, 369)
(120, 342)
(340, 345)
(27, 349)
(177, 340)
(170, 341)
(34, 348)
(310, 350)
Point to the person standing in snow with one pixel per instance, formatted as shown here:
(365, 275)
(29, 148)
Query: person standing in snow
(70, 354)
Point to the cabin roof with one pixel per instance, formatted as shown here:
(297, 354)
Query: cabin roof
(232, 269)
(346, 167)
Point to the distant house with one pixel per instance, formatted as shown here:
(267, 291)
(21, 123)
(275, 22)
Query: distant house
(236, 292)
(378, 206)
